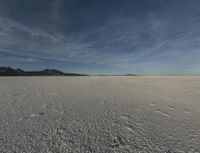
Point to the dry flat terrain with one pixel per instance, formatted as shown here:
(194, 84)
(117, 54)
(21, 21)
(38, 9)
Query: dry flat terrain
(100, 114)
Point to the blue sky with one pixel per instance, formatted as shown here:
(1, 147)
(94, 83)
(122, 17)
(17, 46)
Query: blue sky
(150, 37)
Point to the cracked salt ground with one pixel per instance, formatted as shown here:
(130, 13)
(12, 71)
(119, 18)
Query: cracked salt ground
(100, 114)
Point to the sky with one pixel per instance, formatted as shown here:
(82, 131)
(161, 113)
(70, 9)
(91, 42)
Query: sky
(147, 37)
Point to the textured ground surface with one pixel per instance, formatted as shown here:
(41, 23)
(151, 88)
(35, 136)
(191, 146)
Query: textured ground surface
(100, 114)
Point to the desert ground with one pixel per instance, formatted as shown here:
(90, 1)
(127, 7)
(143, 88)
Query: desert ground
(100, 114)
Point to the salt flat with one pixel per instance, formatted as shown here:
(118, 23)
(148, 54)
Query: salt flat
(100, 114)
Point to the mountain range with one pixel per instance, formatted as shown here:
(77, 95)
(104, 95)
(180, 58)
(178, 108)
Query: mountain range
(8, 71)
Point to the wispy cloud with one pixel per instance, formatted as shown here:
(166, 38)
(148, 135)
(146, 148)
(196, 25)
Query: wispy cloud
(141, 36)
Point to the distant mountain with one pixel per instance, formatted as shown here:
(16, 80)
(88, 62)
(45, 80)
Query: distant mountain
(132, 75)
(8, 71)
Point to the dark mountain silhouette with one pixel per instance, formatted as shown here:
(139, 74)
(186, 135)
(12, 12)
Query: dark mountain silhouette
(8, 71)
